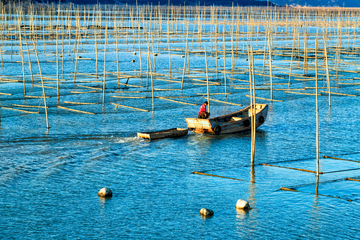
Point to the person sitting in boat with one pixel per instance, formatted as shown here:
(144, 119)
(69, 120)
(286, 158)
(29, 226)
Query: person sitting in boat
(203, 114)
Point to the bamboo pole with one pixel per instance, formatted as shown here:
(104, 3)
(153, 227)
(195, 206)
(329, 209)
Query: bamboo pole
(79, 103)
(164, 98)
(96, 54)
(1, 43)
(57, 55)
(342, 94)
(42, 84)
(292, 57)
(235, 104)
(212, 175)
(270, 63)
(298, 169)
(317, 111)
(105, 50)
(273, 100)
(225, 84)
(74, 110)
(253, 108)
(117, 52)
(186, 56)
(119, 105)
(136, 97)
(27, 106)
(327, 68)
(207, 82)
(139, 39)
(19, 110)
(21, 51)
(30, 64)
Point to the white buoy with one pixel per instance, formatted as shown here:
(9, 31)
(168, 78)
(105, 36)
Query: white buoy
(105, 192)
(242, 204)
(132, 60)
(134, 53)
(206, 212)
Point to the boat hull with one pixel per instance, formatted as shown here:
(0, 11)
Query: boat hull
(236, 122)
(169, 133)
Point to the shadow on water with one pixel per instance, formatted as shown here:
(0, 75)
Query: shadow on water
(205, 218)
(243, 214)
(228, 137)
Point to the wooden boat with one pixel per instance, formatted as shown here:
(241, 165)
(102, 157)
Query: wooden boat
(235, 122)
(169, 133)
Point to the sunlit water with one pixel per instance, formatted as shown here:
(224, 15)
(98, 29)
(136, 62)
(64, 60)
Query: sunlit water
(49, 182)
(49, 179)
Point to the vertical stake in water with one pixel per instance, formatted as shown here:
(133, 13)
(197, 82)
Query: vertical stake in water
(21, 50)
(168, 36)
(139, 46)
(186, 56)
(270, 65)
(117, 52)
(1, 40)
(148, 63)
(317, 107)
(265, 49)
(207, 81)
(292, 57)
(152, 86)
(224, 59)
(106, 28)
(96, 54)
(252, 104)
(57, 55)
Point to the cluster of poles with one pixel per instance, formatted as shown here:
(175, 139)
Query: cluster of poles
(276, 47)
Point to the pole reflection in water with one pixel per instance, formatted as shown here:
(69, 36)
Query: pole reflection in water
(252, 172)
(252, 188)
(316, 210)
(243, 219)
(317, 187)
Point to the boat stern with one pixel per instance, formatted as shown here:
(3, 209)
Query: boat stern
(198, 125)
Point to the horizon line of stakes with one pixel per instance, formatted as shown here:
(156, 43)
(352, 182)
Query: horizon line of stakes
(41, 48)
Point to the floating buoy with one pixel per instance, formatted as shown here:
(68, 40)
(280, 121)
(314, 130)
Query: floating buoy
(134, 53)
(155, 54)
(182, 56)
(132, 60)
(242, 204)
(246, 59)
(217, 57)
(105, 192)
(206, 212)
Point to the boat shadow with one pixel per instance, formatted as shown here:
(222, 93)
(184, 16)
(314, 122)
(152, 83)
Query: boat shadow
(259, 134)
